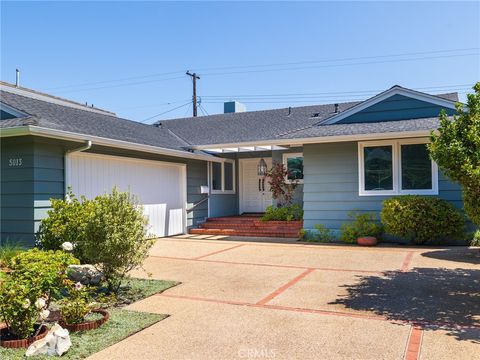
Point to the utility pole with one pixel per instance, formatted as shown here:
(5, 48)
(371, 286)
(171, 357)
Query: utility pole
(194, 96)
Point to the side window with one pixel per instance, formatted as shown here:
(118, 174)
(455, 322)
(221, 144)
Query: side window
(293, 163)
(223, 177)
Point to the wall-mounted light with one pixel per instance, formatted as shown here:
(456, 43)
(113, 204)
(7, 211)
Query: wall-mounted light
(262, 168)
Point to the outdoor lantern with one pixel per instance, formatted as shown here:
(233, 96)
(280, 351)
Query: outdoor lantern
(262, 168)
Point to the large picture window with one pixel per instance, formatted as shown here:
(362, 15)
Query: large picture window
(293, 163)
(396, 167)
(223, 177)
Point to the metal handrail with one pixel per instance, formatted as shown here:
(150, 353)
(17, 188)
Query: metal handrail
(198, 203)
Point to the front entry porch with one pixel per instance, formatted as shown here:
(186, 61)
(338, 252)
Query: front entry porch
(248, 225)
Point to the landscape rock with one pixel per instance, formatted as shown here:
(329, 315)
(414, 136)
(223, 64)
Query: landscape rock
(56, 342)
(85, 274)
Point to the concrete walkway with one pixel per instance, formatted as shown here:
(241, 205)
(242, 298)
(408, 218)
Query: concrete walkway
(281, 300)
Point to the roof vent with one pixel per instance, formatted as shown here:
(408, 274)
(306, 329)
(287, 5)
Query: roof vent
(316, 115)
(336, 108)
(233, 107)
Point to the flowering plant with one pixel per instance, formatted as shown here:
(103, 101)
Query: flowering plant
(81, 300)
(282, 190)
(22, 305)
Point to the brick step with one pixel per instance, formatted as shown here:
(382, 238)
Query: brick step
(233, 232)
(243, 220)
(220, 225)
(234, 220)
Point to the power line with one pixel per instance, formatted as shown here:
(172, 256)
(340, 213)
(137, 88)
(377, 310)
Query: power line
(337, 65)
(270, 65)
(114, 80)
(122, 85)
(343, 59)
(437, 88)
(165, 112)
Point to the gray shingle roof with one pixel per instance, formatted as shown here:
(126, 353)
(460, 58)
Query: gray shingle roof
(285, 123)
(59, 117)
(251, 125)
(365, 128)
(266, 124)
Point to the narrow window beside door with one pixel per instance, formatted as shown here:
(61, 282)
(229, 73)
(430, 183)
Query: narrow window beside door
(223, 177)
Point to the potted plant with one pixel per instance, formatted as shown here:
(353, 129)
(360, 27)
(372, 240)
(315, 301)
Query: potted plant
(79, 310)
(364, 229)
(23, 311)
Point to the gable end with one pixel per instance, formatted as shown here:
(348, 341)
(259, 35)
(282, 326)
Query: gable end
(396, 107)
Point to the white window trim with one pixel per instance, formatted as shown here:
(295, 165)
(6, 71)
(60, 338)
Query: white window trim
(285, 157)
(396, 167)
(223, 191)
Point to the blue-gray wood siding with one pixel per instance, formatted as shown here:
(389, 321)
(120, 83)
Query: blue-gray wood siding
(26, 190)
(331, 186)
(17, 190)
(396, 107)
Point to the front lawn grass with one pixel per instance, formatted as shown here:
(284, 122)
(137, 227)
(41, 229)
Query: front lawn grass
(122, 323)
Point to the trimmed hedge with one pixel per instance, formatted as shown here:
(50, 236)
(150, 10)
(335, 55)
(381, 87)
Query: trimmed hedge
(422, 219)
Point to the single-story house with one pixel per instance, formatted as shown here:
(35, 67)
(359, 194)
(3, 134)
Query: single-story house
(345, 156)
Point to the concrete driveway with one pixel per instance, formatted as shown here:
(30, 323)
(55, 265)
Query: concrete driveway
(266, 300)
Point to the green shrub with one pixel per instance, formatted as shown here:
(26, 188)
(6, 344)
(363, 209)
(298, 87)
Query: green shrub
(7, 252)
(475, 239)
(17, 305)
(323, 234)
(285, 213)
(66, 222)
(422, 219)
(45, 270)
(362, 224)
(109, 232)
(116, 236)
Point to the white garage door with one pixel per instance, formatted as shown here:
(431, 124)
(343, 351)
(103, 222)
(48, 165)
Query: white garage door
(159, 186)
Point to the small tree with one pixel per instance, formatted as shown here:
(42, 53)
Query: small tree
(456, 149)
(282, 190)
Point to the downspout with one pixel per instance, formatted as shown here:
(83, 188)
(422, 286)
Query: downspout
(66, 167)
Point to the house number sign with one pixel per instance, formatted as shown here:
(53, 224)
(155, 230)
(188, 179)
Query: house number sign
(15, 162)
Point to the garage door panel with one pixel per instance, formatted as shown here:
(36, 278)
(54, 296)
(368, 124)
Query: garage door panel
(159, 186)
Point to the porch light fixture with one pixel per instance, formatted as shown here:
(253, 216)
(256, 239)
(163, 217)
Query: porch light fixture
(262, 168)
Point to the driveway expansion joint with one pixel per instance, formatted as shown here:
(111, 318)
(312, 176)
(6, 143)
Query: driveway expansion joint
(284, 287)
(217, 252)
(414, 343)
(281, 266)
(406, 262)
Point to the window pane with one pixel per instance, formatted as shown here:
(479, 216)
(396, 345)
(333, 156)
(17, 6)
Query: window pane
(378, 167)
(295, 168)
(228, 168)
(416, 167)
(216, 176)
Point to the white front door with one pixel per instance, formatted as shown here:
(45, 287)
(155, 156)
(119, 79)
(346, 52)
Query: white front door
(255, 193)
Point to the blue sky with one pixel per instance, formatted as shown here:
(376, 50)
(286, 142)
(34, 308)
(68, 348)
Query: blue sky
(130, 57)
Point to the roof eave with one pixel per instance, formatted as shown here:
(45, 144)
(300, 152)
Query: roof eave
(96, 140)
(320, 139)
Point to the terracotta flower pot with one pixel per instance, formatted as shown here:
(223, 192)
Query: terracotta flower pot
(20, 343)
(367, 241)
(89, 325)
